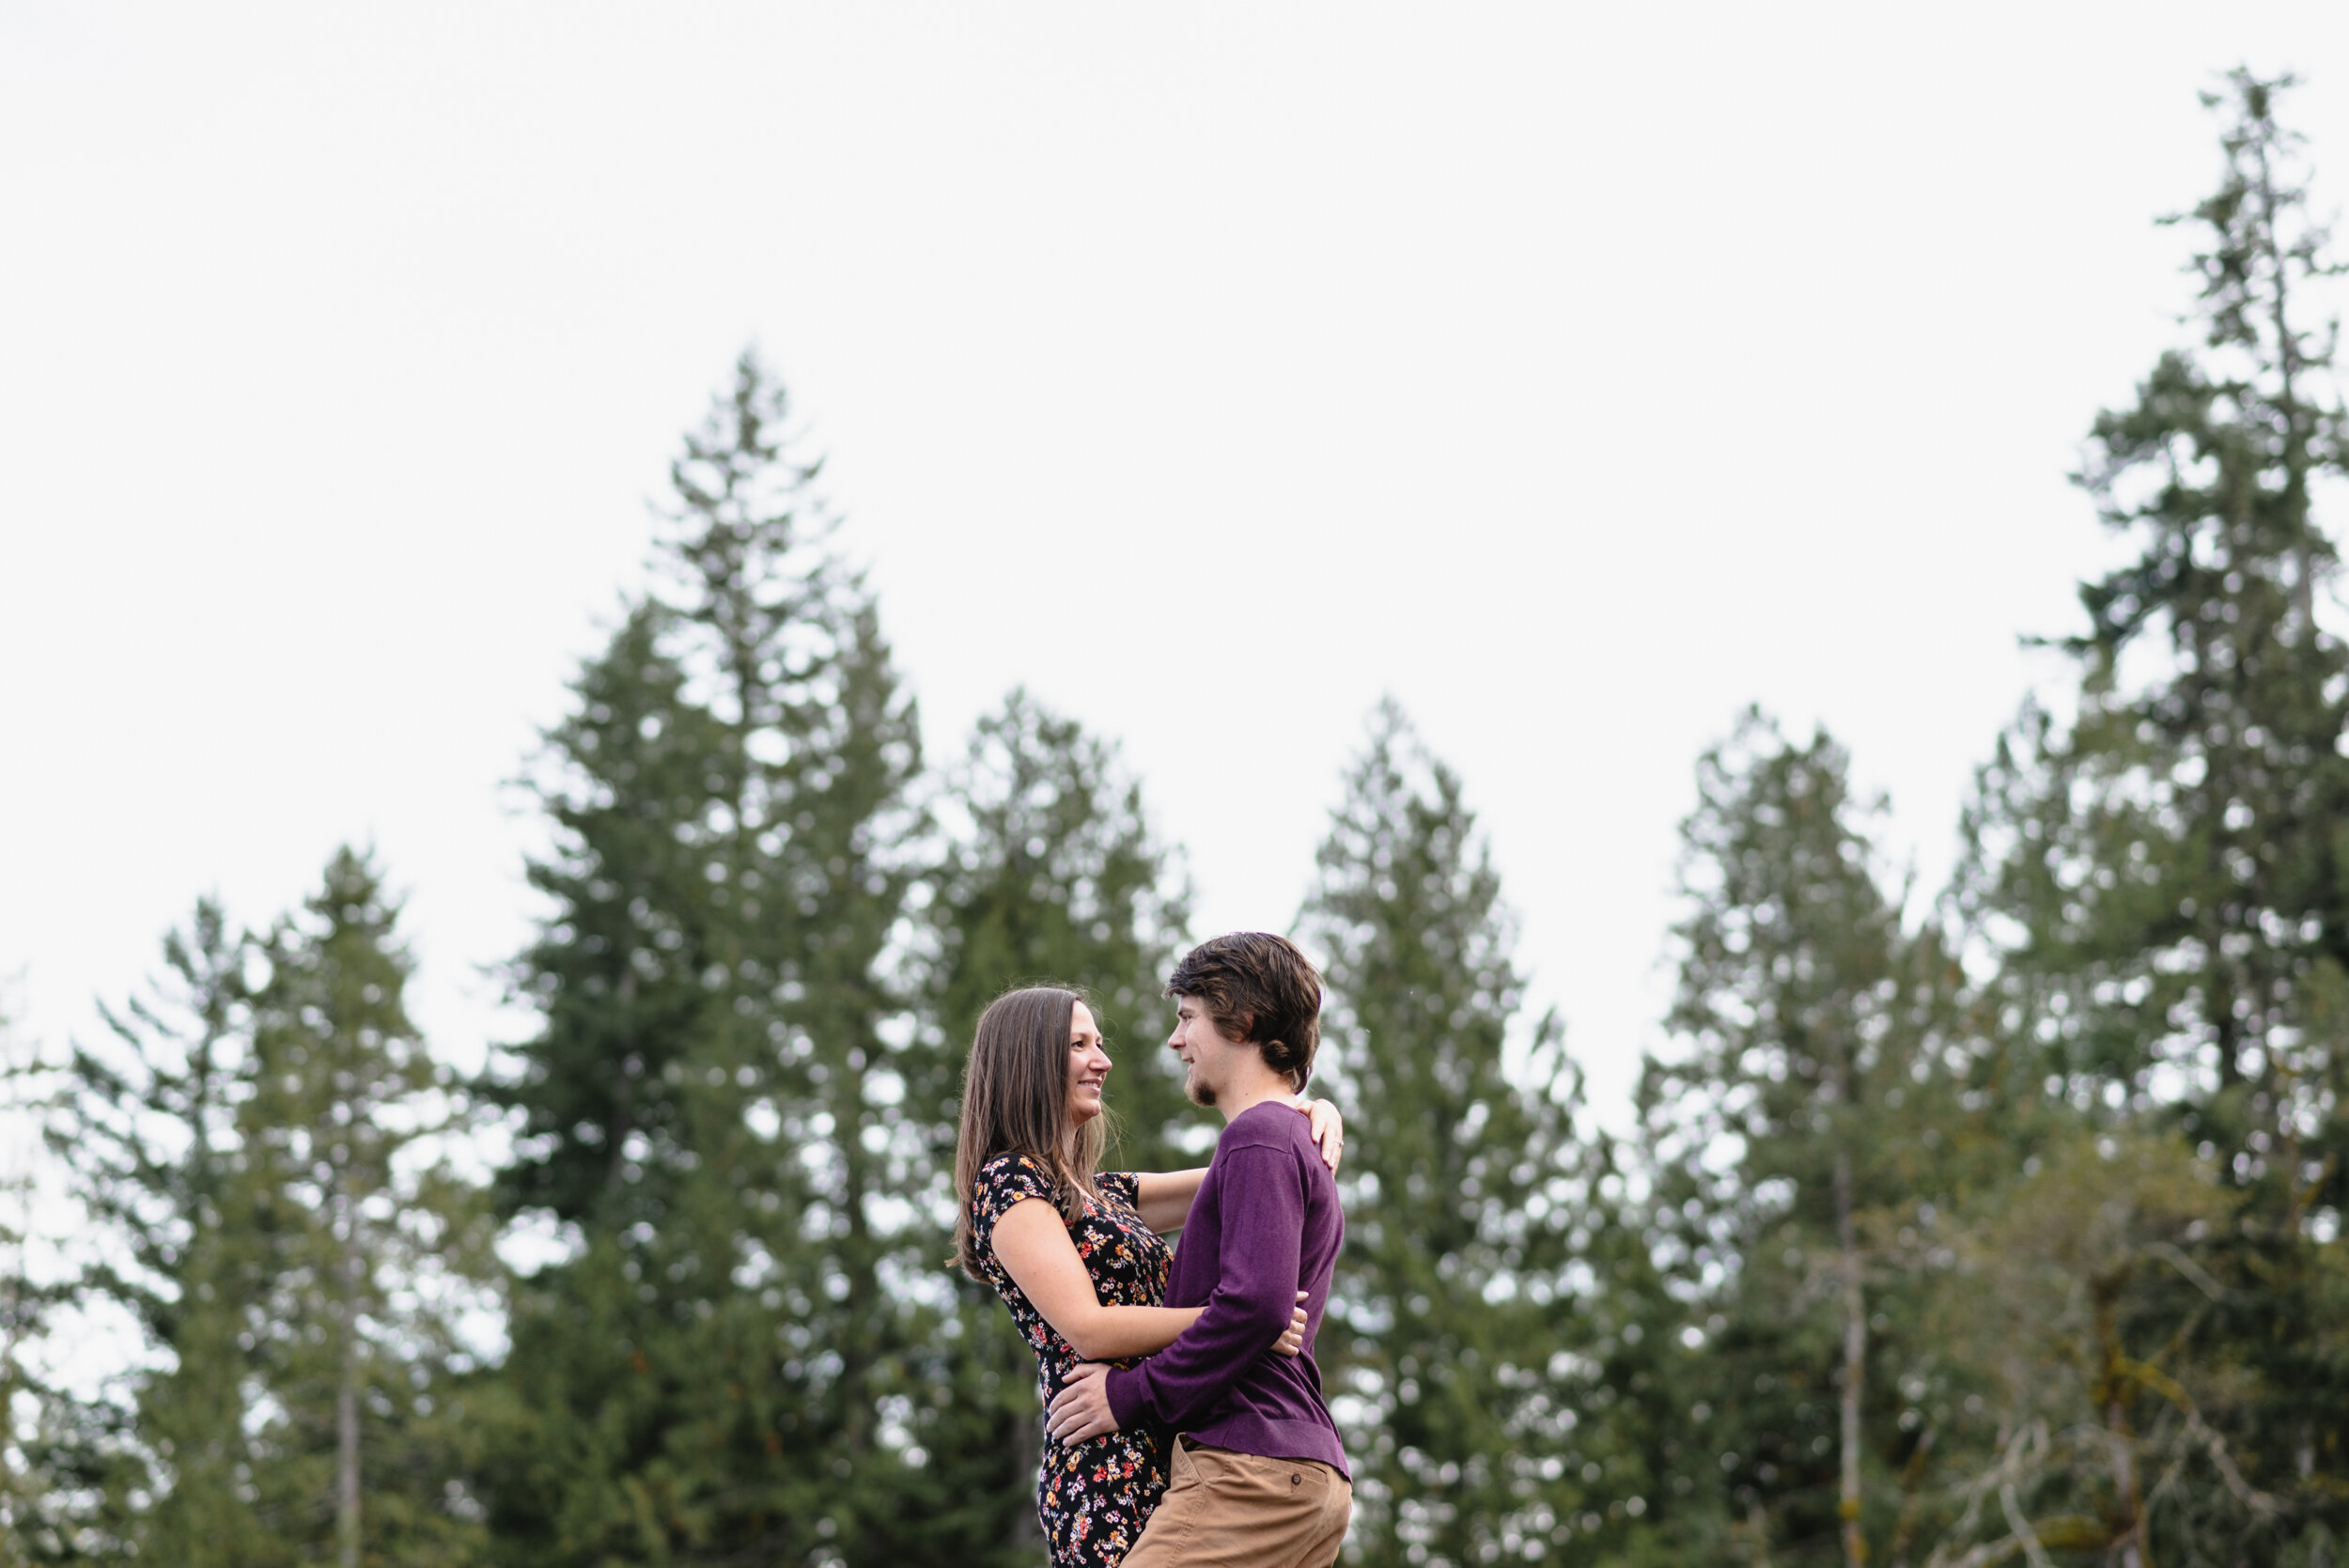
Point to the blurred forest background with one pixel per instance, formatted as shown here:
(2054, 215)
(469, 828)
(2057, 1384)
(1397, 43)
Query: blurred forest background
(1997, 1223)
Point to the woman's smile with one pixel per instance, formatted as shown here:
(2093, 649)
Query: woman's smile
(1088, 1066)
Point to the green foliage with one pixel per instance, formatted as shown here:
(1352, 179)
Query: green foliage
(1804, 1109)
(1453, 1301)
(57, 1484)
(368, 1248)
(1933, 1314)
(716, 1106)
(263, 1169)
(145, 1128)
(2169, 868)
(192, 1073)
(2163, 876)
(2074, 1306)
(1959, 1286)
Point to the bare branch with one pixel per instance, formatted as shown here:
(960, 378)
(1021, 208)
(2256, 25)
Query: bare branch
(2200, 1278)
(2023, 1532)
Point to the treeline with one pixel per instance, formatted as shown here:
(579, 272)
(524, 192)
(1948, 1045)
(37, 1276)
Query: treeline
(2000, 1225)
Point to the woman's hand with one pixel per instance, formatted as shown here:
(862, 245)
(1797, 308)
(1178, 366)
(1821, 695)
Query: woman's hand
(1328, 1131)
(1292, 1340)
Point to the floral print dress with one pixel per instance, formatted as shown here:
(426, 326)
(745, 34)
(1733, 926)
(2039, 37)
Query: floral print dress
(1093, 1496)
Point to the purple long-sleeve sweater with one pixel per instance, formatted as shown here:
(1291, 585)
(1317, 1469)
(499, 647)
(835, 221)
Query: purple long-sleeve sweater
(1264, 1226)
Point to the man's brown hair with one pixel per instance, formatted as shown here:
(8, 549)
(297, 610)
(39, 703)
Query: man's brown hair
(1258, 988)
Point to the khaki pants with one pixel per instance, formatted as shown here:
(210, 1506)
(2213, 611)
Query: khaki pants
(1226, 1510)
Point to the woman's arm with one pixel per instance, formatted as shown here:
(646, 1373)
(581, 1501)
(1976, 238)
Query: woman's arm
(1032, 1242)
(1165, 1196)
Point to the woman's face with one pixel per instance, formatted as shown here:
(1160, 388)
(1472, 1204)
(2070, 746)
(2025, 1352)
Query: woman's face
(1088, 1064)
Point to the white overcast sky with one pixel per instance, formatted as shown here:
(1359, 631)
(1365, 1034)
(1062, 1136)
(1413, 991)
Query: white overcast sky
(1576, 373)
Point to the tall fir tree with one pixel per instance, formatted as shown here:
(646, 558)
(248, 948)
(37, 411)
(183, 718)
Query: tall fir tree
(370, 1250)
(2171, 859)
(263, 1203)
(1802, 1136)
(65, 1461)
(181, 1199)
(716, 1104)
(71, 1470)
(141, 1128)
(1049, 874)
(2165, 874)
(1461, 1188)
(22, 1480)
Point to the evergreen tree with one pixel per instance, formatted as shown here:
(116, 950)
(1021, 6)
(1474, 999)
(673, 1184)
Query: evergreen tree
(716, 1104)
(208, 1249)
(69, 1472)
(262, 1201)
(1454, 1294)
(182, 1200)
(1802, 1138)
(143, 1128)
(2171, 859)
(603, 1146)
(2163, 875)
(1049, 874)
(21, 1319)
(369, 1248)
(55, 1470)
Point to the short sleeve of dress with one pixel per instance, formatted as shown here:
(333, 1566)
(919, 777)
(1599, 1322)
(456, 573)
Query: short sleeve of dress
(1124, 1185)
(1002, 1182)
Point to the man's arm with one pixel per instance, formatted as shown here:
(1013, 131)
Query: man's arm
(1165, 1196)
(1262, 1207)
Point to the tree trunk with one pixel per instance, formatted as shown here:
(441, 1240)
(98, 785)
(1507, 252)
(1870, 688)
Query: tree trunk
(1854, 1362)
(2135, 1547)
(347, 1405)
(1027, 1531)
(1758, 1532)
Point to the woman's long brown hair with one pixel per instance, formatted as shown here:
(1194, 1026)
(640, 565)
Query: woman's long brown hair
(1015, 1101)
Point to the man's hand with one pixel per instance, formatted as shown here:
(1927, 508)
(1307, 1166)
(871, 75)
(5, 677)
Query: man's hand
(1292, 1340)
(1082, 1408)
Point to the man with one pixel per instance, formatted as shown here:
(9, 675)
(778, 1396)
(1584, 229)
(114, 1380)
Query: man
(1258, 1474)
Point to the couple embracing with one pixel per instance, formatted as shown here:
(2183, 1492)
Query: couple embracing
(1185, 1423)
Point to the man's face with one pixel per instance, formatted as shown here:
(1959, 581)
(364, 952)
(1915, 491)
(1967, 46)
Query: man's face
(1207, 1051)
(1088, 1066)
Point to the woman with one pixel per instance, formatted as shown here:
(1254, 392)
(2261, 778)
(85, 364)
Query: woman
(1077, 1256)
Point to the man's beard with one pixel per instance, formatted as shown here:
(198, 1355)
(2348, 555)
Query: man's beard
(1201, 1095)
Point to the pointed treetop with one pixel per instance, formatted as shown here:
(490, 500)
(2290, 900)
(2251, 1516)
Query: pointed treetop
(748, 533)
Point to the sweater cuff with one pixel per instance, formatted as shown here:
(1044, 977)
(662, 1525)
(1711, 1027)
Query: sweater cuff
(1129, 1400)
